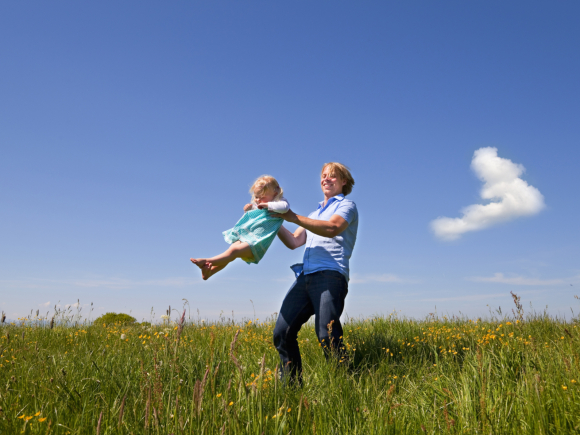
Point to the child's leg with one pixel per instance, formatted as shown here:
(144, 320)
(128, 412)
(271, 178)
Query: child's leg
(217, 263)
(236, 250)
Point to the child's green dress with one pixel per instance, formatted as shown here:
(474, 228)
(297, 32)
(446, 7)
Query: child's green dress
(257, 228)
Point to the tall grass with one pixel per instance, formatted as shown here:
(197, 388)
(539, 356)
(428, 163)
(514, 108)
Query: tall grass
(439, 375)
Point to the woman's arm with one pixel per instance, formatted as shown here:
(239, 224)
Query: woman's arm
(330, 228)
(292, 241)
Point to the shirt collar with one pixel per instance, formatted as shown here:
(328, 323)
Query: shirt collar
(338, 197)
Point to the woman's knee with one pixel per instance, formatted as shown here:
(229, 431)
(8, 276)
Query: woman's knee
(284, 335)
(279, 336)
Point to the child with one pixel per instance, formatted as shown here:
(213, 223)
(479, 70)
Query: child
(254, 232)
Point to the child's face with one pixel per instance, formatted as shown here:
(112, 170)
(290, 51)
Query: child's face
(266, 196)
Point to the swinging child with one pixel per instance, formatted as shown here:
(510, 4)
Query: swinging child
(251, 237)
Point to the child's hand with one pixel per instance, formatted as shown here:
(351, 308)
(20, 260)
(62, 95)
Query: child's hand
(263, 205)
(247, 207)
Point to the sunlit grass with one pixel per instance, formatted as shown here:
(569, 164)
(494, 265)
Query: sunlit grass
(438, 375)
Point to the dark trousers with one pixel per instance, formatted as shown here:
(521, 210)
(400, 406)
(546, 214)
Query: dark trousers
(322, 294)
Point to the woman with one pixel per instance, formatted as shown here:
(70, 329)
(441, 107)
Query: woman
(321, 285)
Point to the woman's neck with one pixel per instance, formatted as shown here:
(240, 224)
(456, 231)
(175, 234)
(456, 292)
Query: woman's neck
(326, 198)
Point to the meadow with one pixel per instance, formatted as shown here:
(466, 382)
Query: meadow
(504, 374)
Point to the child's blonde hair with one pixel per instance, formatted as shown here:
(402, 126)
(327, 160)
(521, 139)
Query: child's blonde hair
(263, 183)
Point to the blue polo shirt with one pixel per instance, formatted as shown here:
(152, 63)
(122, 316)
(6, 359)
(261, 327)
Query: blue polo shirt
(324, 253)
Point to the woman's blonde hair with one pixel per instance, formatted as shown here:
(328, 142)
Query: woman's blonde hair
(342, 171)
(263, 183)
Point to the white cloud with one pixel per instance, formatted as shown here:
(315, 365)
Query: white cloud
(516, 280)
(46, 304)
(501, 182)
(385, 277)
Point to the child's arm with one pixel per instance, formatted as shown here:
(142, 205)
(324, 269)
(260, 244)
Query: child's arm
(248, 207)
(281, 206)
(292, 240)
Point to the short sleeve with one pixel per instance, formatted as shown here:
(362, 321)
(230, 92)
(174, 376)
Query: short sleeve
(347, 210)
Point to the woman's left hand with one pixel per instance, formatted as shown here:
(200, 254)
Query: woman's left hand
(289, 216)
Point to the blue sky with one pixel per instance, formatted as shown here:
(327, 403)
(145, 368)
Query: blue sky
(131, 131)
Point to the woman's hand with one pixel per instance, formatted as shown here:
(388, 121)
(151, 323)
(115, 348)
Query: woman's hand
(289, 216)
(247, 207)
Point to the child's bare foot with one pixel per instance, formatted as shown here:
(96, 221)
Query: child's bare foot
(207, 270)
(210, 270)
(199, 262)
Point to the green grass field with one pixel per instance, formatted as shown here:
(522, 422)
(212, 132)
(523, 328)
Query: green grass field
(439, 375)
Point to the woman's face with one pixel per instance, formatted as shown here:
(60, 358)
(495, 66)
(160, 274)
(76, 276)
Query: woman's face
(331, 184)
